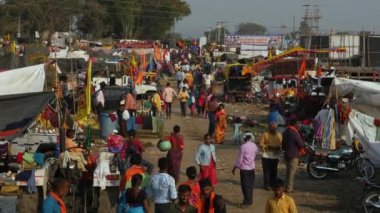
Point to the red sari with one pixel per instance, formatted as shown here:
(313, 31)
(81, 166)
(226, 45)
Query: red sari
(209, 172)
(175, 155)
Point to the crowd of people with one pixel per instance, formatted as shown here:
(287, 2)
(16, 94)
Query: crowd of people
(139, 185)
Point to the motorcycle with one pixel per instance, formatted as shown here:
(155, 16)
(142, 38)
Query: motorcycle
(321, 163)
(371, 201)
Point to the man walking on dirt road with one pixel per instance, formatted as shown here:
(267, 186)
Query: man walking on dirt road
(168, 96)
(246, 163)
(291, 144)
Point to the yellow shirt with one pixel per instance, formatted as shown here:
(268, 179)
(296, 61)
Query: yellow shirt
(271, 144)
(189, 78)
(283, 205)
(183, 96)
(156, 100)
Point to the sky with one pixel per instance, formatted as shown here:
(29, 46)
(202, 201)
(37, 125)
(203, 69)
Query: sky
(339, 15)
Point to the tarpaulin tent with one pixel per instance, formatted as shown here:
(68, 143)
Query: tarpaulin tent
(65, 53)
(17, 112)
(365, 104)
(22, 80)
(366, 94)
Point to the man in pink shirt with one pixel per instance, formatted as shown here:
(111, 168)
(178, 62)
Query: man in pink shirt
(168, 96)
(130, 105)
(246, 163)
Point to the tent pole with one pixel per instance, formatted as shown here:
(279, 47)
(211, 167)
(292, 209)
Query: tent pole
(61, 130)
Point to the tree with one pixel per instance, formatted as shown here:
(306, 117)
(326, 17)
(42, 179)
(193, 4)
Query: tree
(136, 19)
(250, 28)
(92, 22)
(155, 21)
(41, 15)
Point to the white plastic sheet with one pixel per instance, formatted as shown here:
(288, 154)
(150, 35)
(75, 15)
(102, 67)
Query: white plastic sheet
(23, 80)
(366, 94)
(363, 127)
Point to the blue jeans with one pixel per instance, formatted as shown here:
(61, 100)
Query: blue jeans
(131, 123)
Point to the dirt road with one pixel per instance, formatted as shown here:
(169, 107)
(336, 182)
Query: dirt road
(338, 193)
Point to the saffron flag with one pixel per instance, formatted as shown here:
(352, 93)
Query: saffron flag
(139, 78)
(302, 69)
(88, 88)
(157, 51)
(319, 72)
(143, 61)
(13, 47)
(133, 60)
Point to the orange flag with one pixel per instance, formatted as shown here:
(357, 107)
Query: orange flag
(157, 51)
(302, 69)
(139, 78)
(319, 72)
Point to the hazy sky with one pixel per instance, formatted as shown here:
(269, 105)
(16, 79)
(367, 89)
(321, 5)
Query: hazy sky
(347, 15)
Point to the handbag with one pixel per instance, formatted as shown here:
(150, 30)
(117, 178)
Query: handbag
(126, 115)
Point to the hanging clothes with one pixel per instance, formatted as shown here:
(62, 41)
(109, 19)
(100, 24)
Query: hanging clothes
(157, 51)
(329, 137)
(31, 184)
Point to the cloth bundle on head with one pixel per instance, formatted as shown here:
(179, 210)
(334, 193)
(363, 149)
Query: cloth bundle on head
(248, 136)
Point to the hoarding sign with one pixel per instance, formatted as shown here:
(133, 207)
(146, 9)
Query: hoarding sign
(255, 40)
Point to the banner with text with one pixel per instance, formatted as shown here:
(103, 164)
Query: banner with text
(254, 40)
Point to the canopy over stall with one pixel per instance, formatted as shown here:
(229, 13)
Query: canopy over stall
(17, 112)
(23, 80)
(365, 103)
(366, 95)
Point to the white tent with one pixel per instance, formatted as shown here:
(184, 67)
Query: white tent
(65, 53)
(366, 94)
(23, 80)
(365, 104)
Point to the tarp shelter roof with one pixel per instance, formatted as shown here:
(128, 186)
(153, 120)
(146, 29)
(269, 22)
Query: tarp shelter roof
(17, 112)
(22, 80)
(366, 95)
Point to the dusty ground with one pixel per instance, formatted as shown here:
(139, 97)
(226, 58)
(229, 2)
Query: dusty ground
(338, 193)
